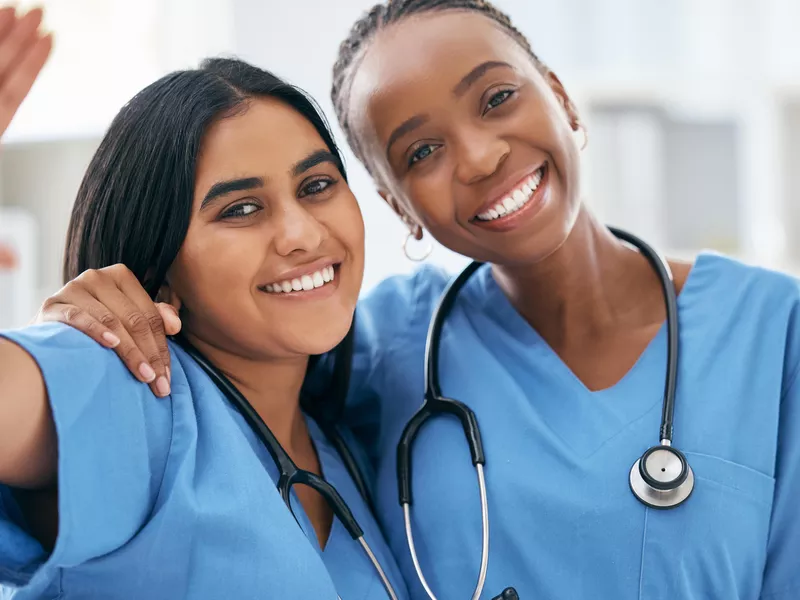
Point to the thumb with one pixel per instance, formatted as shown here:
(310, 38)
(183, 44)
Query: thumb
(169, 314)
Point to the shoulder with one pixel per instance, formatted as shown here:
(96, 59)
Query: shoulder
(400, 305)
(405, 292)
(68, 359)
(732, 286)
(759, 302)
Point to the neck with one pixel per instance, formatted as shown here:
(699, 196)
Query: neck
(272, 387)
(588, 287)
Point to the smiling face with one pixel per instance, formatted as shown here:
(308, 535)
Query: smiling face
(468, 136)
(273, 259)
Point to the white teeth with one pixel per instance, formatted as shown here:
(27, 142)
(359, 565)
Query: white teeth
(304, 283)
(516, 200)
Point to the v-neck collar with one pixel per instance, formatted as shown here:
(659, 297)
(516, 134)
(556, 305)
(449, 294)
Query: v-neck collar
(325, 455)
(582, 418)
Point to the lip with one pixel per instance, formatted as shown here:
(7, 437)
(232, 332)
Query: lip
(306, 269)
(503, 190)
(511, 221)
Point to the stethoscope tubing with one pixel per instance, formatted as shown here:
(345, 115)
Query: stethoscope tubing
(289, 473)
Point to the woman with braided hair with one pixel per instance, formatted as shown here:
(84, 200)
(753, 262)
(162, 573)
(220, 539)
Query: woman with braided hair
(557, 344)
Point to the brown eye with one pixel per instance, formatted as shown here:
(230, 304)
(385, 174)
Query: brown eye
(240, 211)
(316, 187)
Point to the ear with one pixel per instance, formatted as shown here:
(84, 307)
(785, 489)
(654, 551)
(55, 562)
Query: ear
(564, 100)
(168, 296)
(414, 228)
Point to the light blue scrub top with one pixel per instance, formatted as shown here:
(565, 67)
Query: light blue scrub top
(169, 499)
(563, 521)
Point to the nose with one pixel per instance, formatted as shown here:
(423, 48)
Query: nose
(297, 230)
(479, 154)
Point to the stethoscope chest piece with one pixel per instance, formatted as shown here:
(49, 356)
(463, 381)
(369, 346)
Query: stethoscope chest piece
(662, 478)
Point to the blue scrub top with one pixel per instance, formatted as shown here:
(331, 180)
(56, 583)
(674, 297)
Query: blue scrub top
(563, 521)
(168, 499)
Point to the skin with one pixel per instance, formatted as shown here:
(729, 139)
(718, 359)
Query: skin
(292, 215)
(594, 300)
(24, 49)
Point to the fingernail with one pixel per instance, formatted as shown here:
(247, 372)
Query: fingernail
(162, 386)
(147, 372)
(111, 339)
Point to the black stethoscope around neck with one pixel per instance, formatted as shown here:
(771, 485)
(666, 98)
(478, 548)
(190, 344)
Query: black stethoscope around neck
(661, 478)
(289, 474)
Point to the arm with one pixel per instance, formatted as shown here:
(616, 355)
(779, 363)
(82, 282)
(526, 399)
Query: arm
(27, 435)
(113, 442)
(28, 454)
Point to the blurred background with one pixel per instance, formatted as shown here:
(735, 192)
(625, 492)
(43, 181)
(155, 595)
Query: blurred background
(692, 109)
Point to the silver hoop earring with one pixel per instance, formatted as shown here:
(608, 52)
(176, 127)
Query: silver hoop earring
(407, 242)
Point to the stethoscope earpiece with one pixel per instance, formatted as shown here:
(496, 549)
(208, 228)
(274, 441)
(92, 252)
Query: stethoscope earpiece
(662, 478)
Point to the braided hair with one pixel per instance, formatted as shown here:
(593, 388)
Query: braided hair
(352, 49)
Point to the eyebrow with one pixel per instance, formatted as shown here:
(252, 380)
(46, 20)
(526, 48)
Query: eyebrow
(459, 90)
(314, 159)
(222, 188)
(476, 73)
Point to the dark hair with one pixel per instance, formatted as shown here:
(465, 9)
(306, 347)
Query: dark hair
(135, 201)
(382, 15)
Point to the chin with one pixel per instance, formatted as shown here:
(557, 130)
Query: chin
(320, 336)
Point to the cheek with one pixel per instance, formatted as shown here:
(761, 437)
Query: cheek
(213, 269)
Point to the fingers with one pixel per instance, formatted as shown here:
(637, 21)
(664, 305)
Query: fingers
(132, 315)
(8, 260)
(19, 82)
(23, 53)
(172, 322)
(112, 307)
(92, 317)
(150, 329)
(116, 322)
(19, 36)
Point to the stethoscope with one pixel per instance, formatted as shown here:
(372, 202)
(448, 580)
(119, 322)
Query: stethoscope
(289, 473)
(660, 478)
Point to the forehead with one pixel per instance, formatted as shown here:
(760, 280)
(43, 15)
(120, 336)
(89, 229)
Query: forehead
(265, 140)
(437, 50)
